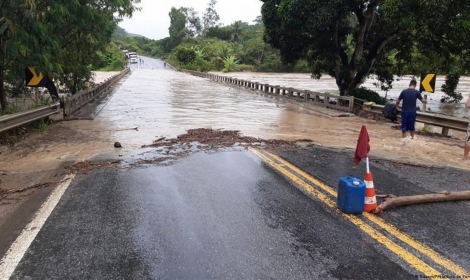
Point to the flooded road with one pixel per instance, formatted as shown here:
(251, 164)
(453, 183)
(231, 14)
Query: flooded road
(227, 214)
(328, 84)
(154, 102)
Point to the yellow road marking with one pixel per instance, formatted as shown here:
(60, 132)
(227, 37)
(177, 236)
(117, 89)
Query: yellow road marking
(423, 249)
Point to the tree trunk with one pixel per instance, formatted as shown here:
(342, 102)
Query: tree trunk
(3, 96)
(391, 200)
(75, 84)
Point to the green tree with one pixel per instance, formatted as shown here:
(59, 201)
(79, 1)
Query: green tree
(45, 34)
(323, 32)
(210, 17)
(193, 22)
(177, 27)
(185, 54)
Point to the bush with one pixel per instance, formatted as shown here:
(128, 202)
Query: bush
(184, 54)
(200, 65)
(369, 95)
(452, 81)
(244, 68)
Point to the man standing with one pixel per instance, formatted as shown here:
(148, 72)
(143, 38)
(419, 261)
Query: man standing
(408, 110)
(467, 142)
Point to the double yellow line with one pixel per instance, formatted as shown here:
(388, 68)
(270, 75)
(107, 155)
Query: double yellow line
(283, 167)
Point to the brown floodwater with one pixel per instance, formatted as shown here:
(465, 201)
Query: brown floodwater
(154, 102)
(328, 84)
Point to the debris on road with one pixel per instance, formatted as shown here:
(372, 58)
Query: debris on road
(392, 200)
(222, 138)
(117, 145)
(86, 166)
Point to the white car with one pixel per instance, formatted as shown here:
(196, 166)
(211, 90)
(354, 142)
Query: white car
(134, 59)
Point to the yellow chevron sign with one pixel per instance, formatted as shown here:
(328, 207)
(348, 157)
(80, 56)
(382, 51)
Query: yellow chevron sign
(33, 79)
(428, 82)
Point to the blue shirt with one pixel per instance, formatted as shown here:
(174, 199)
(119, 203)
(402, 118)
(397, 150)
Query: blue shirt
(409, 97)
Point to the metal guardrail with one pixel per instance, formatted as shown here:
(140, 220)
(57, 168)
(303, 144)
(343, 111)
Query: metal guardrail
(16, 120)
(445, 122)
(75, 102)
(342, 103)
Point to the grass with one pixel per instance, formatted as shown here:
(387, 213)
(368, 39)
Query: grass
(11, 109)
(427, 128)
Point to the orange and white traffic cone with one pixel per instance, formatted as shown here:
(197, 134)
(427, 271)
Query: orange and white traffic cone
(370, 200)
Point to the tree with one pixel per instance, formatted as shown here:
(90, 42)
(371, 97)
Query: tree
(222, 33)
(193, 22)
(45, 34)
(185, 54)
(348, 38)
(210, 17)
(177, 27)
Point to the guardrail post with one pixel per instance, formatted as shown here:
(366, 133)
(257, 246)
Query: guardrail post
(306, 95)
(67, 108)
(326, 101)
(351, 104)
(445, 131)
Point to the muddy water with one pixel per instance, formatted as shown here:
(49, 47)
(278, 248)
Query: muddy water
(153, 102)
(328, 84)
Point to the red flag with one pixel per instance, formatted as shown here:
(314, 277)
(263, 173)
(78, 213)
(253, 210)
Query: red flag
(363, 147)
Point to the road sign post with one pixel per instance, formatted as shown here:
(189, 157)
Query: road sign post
(427, 84)
(33, 78)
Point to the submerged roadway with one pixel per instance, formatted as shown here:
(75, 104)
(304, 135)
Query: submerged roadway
(239, 214)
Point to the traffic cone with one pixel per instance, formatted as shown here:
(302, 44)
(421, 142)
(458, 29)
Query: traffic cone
(370, 201)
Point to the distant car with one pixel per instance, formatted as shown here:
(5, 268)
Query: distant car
(134, 59)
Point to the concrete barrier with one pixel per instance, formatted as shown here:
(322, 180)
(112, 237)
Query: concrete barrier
(342, 103)
(73, 103)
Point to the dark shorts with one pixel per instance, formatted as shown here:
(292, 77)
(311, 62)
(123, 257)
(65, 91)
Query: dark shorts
(408, 121)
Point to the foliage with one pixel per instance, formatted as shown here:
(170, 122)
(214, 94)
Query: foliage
(452, 81)
(369, 95)
(347, 39)
(193, 22)
(59, 38)
(10, 109)
(177, 27)
(210, 17)
(229, 63)
(222, 33)
(184, 54)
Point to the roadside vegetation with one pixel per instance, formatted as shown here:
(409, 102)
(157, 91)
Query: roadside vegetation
(64, 40)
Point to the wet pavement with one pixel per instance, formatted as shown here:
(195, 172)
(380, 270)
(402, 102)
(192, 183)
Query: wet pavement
(228, 214)
(210, 216)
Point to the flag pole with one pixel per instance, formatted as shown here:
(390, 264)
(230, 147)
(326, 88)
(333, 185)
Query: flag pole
(367, 164)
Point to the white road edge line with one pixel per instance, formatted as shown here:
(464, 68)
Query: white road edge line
(17, 250)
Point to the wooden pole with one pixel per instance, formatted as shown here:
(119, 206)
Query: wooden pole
(391, 200)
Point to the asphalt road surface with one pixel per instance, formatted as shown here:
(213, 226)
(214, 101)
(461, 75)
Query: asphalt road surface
(235, 214)
(219, 216)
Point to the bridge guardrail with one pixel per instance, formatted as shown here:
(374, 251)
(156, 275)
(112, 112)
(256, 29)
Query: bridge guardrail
(75, 102)
(15, 120)
(328, 100)
(445, 122)
(343, 102)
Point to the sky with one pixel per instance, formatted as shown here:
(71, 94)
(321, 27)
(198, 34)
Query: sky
(153, 20)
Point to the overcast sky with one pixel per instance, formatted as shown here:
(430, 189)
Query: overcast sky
(153, 20)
